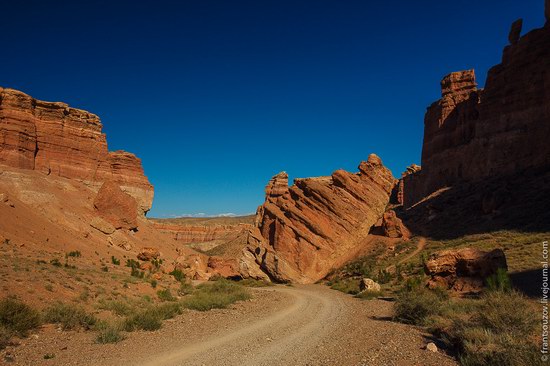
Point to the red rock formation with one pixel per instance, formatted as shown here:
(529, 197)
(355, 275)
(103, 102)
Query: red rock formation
(56, 139)
(472, 134)
(463, 270)
(393, 227)
(187, 234)
(307, 228)
(117, 207)
(401, 185)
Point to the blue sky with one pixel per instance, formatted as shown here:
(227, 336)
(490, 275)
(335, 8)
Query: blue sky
(216, 97)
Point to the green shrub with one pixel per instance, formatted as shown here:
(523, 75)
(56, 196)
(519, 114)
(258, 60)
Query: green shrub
(69, 316)
(145, 320)
(500, 281)
(154, 283)
(115, 261)
(119, 308)
(178, 275)
(415, 307)
(109, 333)
(74, 254)
(56, 262)
(346, 285)
(165, 295)
(186, 288)
(49, 356)
(17, 317)
(500, 331)
(216, 295)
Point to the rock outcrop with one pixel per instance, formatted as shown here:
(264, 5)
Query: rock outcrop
(393, 227)
(116, 207)
(463, 270)
(471, 134)
(56, 139)
(306, 229)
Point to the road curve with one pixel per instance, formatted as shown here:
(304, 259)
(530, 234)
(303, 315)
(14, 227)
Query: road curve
(319, 326)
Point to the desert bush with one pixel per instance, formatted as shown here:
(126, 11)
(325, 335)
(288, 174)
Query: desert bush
(151, 318)
(415, 307)
(115, 260)
(186, 288)
(74, 254)
(178, 275)
(119, 308)
(217, 295)
(165, 295)
(17, 318)
(144, 320)
(69, 316)
(154, 283)
(500, 331)
(346, 285)
(500, 281)
(109, 333)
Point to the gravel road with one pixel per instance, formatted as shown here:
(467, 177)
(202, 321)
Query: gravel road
(300, 325)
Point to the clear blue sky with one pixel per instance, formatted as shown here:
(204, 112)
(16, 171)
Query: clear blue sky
(215, 97)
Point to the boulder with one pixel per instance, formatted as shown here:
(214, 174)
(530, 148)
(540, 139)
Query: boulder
(393, 227)
(148, 254)
(463, 270)
(225, 267)
(367, 284)
(194, 266)
(116, 207)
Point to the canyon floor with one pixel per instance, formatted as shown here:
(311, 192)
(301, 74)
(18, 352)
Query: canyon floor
(280, 325)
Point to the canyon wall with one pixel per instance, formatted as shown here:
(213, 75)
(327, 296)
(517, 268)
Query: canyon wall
(471, 134)
(305, 230)
(58, 140)
(187, 234)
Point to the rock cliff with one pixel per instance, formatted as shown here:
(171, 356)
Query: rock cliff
(58, 140)
(306, 229)
(471, 134)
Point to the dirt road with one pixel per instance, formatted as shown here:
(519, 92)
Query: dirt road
(301, 325)
(317, 327)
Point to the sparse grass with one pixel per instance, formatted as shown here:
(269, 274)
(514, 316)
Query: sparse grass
(49, 356)
(415, 307)
(369, 295)
(5, 336)
(74, 254)
(216, 295)
(186, 288)
(115, 261)
(120, 308)
(69, 316)
(346, 285)
(17, 317)
(151, 318)
(165, 295)
(109, 333)
(500, 331)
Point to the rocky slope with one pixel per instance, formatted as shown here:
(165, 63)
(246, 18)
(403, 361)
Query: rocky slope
(472, 134)
(305, 230)
(58, 140)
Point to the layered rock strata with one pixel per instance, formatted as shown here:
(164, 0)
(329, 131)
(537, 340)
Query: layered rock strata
(305, 229)
(471, 134)
(56, 139)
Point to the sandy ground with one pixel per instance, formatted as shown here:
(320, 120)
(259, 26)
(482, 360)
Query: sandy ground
(302, 325)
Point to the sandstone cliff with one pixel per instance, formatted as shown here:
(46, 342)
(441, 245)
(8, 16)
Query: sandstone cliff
(305, 230)
(58, 140)
(472, 134)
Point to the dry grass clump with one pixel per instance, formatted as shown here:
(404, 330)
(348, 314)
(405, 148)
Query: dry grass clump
(216, 295)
